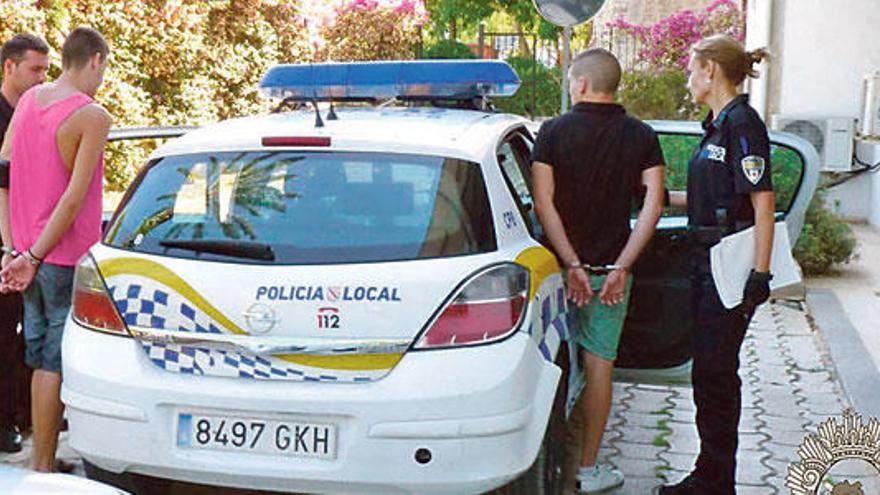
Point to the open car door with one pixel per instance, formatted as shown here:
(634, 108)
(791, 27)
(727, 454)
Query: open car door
(656, 343)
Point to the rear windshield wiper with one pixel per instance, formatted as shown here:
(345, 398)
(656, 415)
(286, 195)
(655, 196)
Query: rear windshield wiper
(239, 249)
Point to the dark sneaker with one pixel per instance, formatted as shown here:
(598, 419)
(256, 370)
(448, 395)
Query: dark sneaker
(10, 439)
(683, 487)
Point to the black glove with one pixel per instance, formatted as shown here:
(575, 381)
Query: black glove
(757, 289)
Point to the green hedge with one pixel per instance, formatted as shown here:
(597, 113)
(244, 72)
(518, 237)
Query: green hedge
(448, 49)
(663, 95)
(536, 77)
(825, 242)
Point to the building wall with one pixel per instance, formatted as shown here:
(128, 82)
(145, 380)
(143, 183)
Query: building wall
(642, 11)
(824, 49)
(821, 52)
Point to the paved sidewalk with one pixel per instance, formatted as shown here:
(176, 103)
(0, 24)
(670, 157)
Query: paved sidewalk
(789, 387)
(846, 306)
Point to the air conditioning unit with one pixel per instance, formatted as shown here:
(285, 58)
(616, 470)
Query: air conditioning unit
(869, 124)
(831, 136)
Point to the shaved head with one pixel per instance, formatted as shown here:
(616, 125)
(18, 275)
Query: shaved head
(598, 66)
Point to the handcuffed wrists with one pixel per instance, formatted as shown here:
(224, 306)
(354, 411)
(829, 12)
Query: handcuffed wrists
(10, 251)
(31, 258)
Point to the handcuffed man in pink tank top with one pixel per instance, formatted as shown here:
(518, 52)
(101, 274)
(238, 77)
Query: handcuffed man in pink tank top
(51, 214)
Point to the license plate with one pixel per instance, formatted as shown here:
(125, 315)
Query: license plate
(262, 436)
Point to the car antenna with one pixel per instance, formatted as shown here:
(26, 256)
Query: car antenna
(331, 115)
(318, 121)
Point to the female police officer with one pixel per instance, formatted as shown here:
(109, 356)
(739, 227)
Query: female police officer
(729, 189)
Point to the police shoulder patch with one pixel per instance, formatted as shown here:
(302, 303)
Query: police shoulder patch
(753, 167)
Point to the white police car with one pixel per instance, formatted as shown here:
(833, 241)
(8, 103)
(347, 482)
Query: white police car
(361, 306)
(352, 306)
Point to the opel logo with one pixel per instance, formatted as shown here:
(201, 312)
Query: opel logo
(260, 318)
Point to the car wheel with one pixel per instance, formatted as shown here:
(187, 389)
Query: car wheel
(545, 475)
(119, 480)
(132, 483)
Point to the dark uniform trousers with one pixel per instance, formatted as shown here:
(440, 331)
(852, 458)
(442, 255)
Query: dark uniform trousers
(14, 376)
(716, 383)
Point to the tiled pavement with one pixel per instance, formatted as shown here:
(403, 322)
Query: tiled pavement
(788, 389)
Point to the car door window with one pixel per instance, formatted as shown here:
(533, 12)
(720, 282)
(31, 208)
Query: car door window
(787, 164)
(514, 158)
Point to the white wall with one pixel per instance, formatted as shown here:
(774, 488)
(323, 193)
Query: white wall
(821, 51)
(850, 200)
(827, 47)
(874, 208)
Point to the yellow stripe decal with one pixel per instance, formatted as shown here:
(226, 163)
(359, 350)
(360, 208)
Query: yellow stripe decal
(365, 362)
(541, 264)
(163, 275)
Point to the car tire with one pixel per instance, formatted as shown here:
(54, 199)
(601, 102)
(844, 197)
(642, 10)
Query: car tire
(132, 483)
(544, 477)
(119, 480)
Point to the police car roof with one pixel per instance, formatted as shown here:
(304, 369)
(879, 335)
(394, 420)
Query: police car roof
(452, 133)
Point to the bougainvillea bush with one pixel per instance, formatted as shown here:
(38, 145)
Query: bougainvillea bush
(191, 62)
(373, 30)
(666, 43)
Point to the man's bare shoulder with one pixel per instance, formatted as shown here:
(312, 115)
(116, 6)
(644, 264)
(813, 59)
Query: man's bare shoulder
(93, 114)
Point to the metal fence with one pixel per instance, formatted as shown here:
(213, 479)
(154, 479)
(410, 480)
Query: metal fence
(622, 44)
(502, 45)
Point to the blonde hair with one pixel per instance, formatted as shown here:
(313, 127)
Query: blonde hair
(729, 54)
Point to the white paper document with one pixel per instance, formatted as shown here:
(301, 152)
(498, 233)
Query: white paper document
(734, 257)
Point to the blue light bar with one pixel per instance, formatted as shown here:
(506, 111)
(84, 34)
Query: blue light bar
(419, 79)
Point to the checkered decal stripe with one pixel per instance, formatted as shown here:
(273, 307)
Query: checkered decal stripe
(143, 302)
(553, 327)
(235, 364)
(159, 308)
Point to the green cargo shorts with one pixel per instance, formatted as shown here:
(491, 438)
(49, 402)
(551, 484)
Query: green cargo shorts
(596, 326)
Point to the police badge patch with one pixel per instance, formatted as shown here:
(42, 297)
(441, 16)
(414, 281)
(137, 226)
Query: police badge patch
(753, 167)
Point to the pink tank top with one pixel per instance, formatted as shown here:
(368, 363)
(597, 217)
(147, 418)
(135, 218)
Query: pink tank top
(38, 178)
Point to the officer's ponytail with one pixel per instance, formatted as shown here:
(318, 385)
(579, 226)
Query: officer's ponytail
(754, 57)
(735, 62)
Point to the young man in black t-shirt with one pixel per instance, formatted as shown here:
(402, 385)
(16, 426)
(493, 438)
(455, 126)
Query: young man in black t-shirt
(587, 163)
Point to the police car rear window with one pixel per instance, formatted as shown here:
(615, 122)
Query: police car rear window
(306, 208)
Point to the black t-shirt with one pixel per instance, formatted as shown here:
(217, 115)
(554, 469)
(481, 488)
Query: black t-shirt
(598, 154)
(6, 111)
(732, 162)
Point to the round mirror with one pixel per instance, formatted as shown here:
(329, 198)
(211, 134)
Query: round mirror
(568, 13)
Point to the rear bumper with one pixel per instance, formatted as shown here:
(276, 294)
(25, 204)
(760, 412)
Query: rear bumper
(481, 411)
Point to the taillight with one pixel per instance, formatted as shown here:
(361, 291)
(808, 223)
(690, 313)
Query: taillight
(92, 305)
(487, 308)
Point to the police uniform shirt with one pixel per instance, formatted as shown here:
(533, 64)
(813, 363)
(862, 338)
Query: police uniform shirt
(597, 153)
(732, 162)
